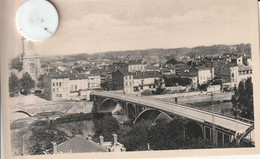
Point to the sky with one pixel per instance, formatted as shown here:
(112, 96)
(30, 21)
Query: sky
(91, 26)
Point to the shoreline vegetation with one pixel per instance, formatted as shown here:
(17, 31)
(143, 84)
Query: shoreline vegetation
(159, 135)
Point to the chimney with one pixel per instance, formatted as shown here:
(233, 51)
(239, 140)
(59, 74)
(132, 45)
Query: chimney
(101, 140)
(115, 139)
(54, 147)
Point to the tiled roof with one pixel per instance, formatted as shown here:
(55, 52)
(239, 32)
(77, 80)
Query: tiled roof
(79, 144)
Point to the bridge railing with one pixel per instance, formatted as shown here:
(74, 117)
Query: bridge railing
(210, 111)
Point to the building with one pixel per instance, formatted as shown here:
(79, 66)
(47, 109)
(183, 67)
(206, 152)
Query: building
(232, 73)
(31, 61)
(239, 73)
(146, 81)
(136, 66)
(94, 81)
(205, 74)
(122, 80)
(79, 144)
(69, 86)
(56, 87)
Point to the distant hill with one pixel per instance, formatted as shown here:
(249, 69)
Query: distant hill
(177, 53)
(172, 52)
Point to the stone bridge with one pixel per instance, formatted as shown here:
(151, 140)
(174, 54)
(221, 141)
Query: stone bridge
(207, 125)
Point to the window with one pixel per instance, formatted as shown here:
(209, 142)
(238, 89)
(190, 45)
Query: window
(76, 87)
(60, 84)
(53, 90)
(60, 95)
(53, 84)
(57, 89)
(56, 83)
(126, 84)
(57, 95)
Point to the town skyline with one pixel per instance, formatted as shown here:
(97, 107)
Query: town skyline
(129, 27)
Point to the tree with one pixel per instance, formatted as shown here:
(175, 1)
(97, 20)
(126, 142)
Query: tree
(242, 100)
(26, 83)
(41, 139)
(174, 81)
(135, 138)
(13, 84)
(172, 61)
(106, 127)
(161, 135)
(105, 85)
(40, 83)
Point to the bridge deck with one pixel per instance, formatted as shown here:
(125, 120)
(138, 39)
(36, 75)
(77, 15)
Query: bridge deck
(187, 112)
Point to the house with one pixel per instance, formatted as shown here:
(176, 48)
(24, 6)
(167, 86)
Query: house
(69, 85)
(79, 144)
(239, 73)
(136, 65)
(146, 81)
(205, 74)
(233, 73)
(122, 80)
(56, 87)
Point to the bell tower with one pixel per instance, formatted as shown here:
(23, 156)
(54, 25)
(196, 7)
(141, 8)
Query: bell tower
(31, 61)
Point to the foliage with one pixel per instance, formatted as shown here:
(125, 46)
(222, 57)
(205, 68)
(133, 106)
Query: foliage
(105, 85)
(41, 139)
(147, 92)
(175, 81)
(172, 61)
(242, 100)
(13, 84)
(40, 83)
(135, 138)
(159, 90)
(26, 83)
(106, 127)
(161, 135)
(16, 63)
(216, 82)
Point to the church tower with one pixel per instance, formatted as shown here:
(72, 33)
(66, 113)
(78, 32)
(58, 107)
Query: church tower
(31, 61)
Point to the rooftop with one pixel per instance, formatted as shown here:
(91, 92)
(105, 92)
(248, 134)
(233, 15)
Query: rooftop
(79, 144)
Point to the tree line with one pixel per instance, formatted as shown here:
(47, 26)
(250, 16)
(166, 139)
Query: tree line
(24, 85)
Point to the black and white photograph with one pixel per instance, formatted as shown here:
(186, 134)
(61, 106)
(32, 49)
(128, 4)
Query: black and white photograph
(132, 76)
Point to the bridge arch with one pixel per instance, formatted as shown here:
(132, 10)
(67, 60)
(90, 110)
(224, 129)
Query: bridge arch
(152, 114)
(110, 105)
(194, 129)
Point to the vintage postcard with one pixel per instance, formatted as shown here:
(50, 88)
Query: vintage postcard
(128, 79)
